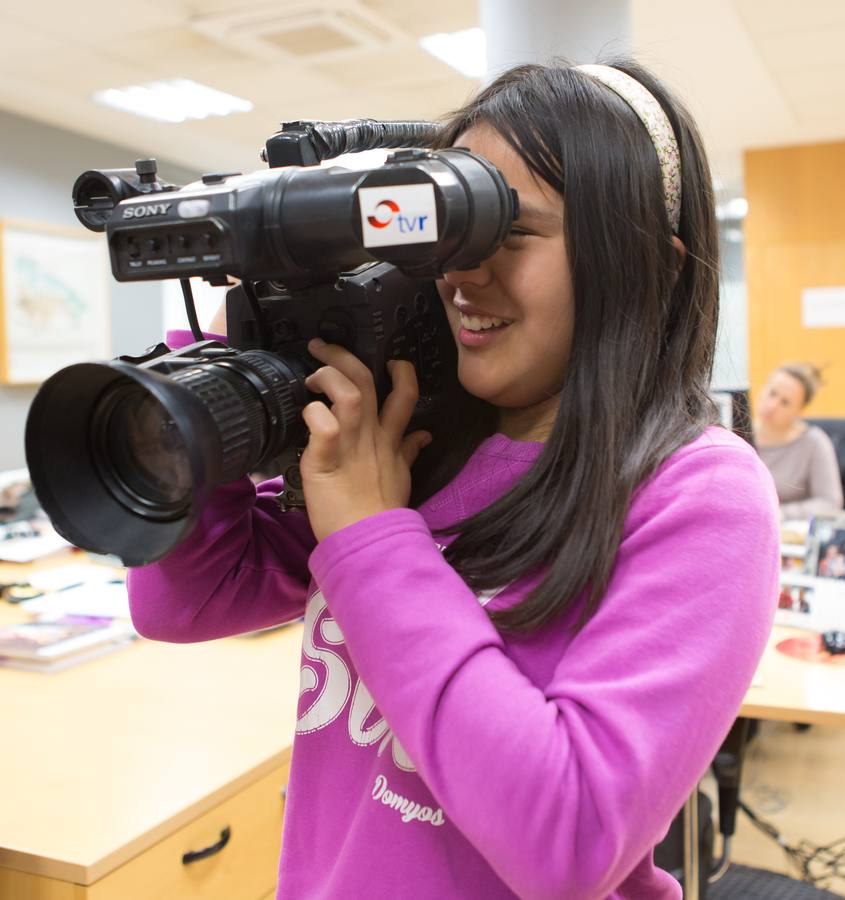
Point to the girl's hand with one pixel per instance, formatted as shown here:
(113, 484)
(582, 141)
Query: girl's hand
(358, 461)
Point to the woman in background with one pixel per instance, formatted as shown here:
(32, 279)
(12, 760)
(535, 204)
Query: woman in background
(800, 456)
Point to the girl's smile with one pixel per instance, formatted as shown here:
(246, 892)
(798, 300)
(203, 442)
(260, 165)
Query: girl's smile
(477, 327)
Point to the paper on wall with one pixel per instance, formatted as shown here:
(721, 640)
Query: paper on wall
(823, 307)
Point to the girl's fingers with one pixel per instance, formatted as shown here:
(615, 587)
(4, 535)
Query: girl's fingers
(349, 365)
(398, 407)
(323, 449)
(352, 406)
(412, 444)
(347, 403)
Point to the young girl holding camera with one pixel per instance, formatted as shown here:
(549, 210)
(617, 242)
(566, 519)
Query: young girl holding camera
(526, 632)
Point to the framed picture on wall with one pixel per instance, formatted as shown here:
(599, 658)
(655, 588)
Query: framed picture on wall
(54, 300)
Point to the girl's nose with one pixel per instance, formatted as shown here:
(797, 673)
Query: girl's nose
(479, 277)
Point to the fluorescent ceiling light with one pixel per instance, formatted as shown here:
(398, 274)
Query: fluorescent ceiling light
(174, 100)
(465, 51)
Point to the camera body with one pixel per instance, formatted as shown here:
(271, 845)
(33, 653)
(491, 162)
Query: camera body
(426, 212)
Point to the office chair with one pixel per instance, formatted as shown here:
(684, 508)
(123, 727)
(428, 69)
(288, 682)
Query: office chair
(835, 430)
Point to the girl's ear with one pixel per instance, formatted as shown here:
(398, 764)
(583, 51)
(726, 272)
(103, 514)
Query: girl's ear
(680, 252)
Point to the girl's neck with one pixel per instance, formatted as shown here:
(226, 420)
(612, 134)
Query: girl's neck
(767, 436)
(531, 423)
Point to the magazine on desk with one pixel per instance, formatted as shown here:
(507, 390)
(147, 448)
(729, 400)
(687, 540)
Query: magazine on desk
(53, 644)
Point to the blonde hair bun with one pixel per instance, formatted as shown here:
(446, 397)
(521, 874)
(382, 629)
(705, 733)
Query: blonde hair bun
(809, 375)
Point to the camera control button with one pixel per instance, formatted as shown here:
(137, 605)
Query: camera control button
(193, 209)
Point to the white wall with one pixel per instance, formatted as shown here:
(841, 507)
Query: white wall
(38, 166)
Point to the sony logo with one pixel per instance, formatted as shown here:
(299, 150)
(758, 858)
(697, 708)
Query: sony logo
(152, 209)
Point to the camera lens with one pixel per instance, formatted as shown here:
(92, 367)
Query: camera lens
(123, 458)
(140, 453)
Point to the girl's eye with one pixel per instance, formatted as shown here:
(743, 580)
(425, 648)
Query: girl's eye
(517, 234)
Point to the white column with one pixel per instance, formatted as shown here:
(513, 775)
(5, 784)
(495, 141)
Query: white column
(521, 31)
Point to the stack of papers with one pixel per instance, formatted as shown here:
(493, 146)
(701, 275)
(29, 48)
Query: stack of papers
(26, 541)
(78, 590)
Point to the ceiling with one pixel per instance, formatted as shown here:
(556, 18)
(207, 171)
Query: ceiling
(755, 73)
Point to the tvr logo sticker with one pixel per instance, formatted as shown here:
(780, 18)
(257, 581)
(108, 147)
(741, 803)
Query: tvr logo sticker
(398, 214)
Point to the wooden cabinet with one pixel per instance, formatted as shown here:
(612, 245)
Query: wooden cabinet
(244, 868)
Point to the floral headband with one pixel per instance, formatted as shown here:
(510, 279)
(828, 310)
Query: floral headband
(659, 128)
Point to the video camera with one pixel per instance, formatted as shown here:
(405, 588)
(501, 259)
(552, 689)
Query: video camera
(124, 454)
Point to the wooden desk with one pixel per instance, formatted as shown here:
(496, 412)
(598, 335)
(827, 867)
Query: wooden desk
(793, 690)
(110, 771)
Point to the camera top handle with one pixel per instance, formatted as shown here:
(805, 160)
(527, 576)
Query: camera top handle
(308, 143)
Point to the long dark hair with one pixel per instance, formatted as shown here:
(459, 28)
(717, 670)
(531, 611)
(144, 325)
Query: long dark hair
(636, 386)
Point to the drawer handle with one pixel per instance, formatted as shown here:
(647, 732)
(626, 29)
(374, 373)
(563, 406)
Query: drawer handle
(194, 855)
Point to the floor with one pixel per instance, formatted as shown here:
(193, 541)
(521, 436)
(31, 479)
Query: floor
(794, 780)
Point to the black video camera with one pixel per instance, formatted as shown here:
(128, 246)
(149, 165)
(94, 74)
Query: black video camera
(124, 454)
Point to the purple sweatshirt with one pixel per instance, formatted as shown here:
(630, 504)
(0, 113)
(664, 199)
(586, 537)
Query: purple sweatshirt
(435, 758)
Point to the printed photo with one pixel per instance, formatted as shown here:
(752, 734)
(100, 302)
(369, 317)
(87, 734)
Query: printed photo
(791, 562)
(796, 598)
(826, 547)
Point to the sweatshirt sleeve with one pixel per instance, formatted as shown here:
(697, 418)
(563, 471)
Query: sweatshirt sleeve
(180, 337)
(242, 568)
(825, 485)
(565, 787)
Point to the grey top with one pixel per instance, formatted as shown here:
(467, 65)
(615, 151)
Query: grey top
(806, 474)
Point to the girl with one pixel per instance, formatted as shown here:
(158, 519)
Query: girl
(801, 457)
(524, 642)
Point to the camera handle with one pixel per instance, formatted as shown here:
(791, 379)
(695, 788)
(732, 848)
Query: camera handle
(307, 143)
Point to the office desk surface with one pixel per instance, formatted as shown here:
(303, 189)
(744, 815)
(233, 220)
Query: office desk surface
(794, 690)
(100, 761)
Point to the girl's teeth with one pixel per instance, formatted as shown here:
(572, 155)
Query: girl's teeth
(479, 323)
